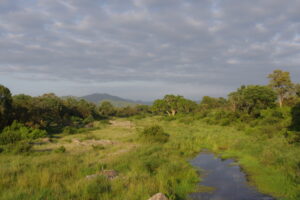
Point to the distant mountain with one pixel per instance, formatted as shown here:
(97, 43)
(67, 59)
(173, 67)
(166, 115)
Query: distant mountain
(115, 100)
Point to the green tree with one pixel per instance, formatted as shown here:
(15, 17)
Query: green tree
(208, 102)
(172, 104)
(23, 108)
(5, 106)
(236, 99)
(258, 97)
(296, 117)
(252, 98)
(281, 83)
(186, 105)
(297, 89)
(107, 109)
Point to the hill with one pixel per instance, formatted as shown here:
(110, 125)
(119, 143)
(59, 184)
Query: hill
(115, 100)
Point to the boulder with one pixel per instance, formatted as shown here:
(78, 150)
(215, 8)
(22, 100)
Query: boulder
(158, 196)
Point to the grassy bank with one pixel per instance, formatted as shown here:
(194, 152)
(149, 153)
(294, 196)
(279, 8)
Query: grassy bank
(144, 168)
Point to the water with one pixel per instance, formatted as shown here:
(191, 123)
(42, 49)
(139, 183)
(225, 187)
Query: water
(226, 178)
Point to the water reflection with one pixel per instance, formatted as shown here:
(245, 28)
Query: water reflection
(227, 179)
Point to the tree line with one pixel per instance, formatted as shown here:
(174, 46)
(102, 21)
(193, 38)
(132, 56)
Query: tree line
(53, 114)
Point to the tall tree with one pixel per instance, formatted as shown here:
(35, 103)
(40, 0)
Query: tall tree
(5, 106)
(208, 102)
(252, 98)
(172, 104)
(297, 89)
(281, 83)
(295, 125)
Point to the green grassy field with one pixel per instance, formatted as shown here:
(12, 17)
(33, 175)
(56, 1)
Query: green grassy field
(144, 168)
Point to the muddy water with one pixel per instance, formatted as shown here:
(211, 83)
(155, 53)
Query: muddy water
(223, 180)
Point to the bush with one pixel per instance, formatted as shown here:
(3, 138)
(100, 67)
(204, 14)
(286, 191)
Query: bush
(22, 147)
(77, 121)
(9, 137)
(89, 119)
(70, 130)
(98, 147)
(18, 147)
(275, 116)
(17, 131)
(60, 149)
(154, 133)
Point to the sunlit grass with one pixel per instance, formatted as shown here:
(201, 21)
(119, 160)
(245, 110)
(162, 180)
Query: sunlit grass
(145, 169)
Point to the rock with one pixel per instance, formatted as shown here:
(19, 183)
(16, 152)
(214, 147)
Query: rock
(158, 196)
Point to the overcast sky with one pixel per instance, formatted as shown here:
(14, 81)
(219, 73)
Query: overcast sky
(143, 49)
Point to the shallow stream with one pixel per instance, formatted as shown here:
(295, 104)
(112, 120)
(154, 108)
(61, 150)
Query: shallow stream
(223, 180)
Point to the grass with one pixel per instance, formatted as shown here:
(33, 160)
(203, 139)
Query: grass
(144, 168)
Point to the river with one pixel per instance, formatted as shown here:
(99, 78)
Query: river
(223, 180)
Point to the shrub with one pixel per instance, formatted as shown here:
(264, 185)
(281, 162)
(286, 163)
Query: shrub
(76, 121)
(154, 133)
(18, 147)
(22, 147)
(98, 147)
(89, 119)
(60, 149)
(9, 137)
(17, 131)
(70, 130)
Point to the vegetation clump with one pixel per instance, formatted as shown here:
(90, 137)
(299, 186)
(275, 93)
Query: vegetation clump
(17, 132)
(60, 149)
(154, 133)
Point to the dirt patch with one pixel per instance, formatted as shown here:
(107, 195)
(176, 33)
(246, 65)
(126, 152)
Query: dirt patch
(158, 196)
(123, 124)
(93, 142)
(110, 174)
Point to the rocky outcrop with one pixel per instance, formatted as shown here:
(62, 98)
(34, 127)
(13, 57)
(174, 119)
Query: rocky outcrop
(158, 196)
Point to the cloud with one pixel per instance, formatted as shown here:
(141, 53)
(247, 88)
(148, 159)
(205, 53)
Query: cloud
(211, 46)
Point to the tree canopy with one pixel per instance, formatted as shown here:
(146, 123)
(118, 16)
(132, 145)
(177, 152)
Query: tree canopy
(252, 98)
(5, 106)
(281, 83)
(172, 104)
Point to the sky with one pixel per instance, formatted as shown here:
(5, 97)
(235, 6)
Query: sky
(144, 49)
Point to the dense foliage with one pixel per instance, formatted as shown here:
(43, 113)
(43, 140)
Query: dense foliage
(5, 106)
(172, 105)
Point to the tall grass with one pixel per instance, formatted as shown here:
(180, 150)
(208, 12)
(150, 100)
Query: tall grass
(147, 168)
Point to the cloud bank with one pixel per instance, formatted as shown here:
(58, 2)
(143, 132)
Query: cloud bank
(145, 48)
